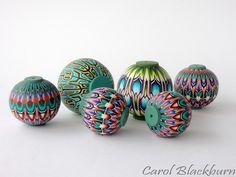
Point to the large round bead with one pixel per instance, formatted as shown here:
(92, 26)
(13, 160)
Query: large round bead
(140, 82)
(80, 77)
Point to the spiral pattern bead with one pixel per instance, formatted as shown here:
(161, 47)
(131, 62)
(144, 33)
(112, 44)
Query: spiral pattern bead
(168, 114)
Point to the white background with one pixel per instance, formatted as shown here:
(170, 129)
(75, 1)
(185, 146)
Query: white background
(41, 37)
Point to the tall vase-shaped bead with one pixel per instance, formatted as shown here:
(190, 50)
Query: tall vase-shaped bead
(140, 82)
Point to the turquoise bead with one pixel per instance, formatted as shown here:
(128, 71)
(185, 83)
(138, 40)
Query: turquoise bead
(79, 78)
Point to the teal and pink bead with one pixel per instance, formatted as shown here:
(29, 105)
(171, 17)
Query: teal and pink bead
(198, 84)
(34, 101)
(168, 114)
(104, 111)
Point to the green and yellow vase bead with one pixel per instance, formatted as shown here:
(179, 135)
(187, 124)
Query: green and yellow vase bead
(34, 101)
(140, 82)
(80, 77)
(198, 84)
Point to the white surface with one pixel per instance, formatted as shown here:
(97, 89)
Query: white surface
(41, 37)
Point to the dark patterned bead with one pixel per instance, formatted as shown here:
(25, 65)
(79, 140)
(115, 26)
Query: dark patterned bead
(198, 84)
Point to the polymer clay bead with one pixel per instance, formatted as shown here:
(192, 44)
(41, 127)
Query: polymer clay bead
(198, 84)
(140, 82)
(168, 114)
(34, 101)
(80, 77)
(104, 111)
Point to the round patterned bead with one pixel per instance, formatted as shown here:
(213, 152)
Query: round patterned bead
(140, 82)
(168, 114)
(198, 84)
(34, 101)
(104, 111)
(79, 78)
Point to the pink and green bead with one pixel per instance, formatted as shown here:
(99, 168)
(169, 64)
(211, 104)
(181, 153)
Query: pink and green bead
(34, 101)
(104, 111)
(198, 84)
(168, 114)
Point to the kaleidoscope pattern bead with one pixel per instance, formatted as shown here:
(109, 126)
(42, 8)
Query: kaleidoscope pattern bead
(104, 111)
(198, 84)
(140, 82)
(34, 101)
(80, 77)
(168, 114)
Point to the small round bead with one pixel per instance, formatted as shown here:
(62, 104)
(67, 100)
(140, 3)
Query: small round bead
(104, 111)
(168, 114)
(34, 101)
(198, 84)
